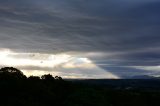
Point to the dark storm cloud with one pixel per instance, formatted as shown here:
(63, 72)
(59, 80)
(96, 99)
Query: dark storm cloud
(126, 29)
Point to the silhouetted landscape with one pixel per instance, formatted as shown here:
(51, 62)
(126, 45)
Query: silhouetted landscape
(17, 89)
(79, 52)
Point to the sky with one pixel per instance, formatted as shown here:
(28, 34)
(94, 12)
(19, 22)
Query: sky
(81, 38)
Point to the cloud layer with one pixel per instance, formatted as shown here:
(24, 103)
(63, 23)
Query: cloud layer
(112, 34)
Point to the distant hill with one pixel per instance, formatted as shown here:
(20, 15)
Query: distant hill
(143, 77)
(136, 83)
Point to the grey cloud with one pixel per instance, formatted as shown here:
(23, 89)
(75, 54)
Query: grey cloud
(125, 29)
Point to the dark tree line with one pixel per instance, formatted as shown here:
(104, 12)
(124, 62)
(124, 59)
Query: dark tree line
(18, 90)
(16, 73)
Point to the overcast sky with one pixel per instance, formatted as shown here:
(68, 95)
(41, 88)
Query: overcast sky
(81, 38)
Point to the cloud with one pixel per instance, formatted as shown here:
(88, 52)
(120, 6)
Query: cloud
(112, 33)
(56, 64)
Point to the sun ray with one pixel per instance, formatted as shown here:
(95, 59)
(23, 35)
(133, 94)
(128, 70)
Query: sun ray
(62, 64)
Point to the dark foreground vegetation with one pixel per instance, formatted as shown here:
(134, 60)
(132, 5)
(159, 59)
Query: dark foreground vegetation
(18, 90)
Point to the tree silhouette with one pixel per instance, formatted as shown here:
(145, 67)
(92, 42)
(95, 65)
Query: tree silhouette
(12, 72)
(58, 78)
(47, 77)
(34, 78)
